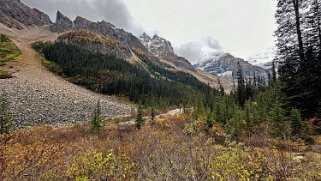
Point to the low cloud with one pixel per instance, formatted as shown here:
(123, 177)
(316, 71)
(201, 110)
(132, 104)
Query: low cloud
(114, 11)
(199, 50)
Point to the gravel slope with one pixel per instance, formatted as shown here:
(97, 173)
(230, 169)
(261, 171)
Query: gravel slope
(37, 96)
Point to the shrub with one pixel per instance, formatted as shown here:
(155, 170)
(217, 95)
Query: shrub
(5, 121)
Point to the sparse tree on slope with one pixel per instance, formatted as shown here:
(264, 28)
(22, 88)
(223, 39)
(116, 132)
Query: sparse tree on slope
(96, 120)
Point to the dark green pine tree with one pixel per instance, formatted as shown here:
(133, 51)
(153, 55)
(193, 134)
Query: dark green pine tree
(240, 86)
(96, 120)
(308, 95)
(221, 88)
(139, 117)
(296, 122)
(248, 93)
(153, 114)
(273, 72)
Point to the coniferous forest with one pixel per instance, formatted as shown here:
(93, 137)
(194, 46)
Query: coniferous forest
(113, 76)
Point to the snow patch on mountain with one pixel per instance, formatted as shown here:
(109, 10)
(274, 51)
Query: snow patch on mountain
(226, 65)
(264, 59)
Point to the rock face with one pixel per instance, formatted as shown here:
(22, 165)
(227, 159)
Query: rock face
(163, 49)
(158, 46)
(15, 14)
(226, 65)
(62, 24)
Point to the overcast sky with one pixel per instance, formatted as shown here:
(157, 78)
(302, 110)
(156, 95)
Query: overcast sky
(240, 27)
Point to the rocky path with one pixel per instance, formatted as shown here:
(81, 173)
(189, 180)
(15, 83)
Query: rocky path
(37, 96)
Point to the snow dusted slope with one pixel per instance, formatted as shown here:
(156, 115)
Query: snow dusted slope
(263, 59)
(226, 65)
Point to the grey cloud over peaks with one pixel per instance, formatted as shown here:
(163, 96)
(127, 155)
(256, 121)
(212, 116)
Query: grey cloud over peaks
(199, 50)
(113, 11)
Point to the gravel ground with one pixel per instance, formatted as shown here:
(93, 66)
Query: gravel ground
(37, 96)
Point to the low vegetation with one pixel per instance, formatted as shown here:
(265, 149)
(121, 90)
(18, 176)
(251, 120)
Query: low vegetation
(8, 51)
(5, 119)
(169, 148)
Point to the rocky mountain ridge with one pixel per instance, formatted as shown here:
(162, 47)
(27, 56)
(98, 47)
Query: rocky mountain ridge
(226, 65)
(162, 48)
(63, 24)
(15, 14)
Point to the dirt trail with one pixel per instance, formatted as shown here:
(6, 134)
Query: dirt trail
(37, 96)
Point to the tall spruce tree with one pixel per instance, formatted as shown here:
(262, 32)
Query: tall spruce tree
(221, 88)
(296, 122)
(96, 120)
(240, 86)
(273, 72)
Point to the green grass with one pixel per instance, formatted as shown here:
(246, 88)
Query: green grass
(5, 74)
(8, 50)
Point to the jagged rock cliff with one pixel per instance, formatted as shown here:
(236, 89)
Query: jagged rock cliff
(15, 14)
(102, 27)
(62, 24)
(163, 49)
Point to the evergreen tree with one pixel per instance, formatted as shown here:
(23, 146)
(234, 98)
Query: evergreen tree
(248, 117)
(273, 72)
(248, 93)
(220, 87)
(296, 5)
(296, 122)
(139, 117)
(5, 121)
(277, 120)
(240, 86)
(96, 120)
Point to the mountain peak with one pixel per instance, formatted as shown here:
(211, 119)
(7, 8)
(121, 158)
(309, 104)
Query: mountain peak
(82, 20)
(62, 23)
(156, 37)
(226, 65)
(17, 15)
(157, 45)
(162, 48)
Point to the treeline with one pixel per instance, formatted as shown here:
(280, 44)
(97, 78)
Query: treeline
(252, 109)
(110, 75)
